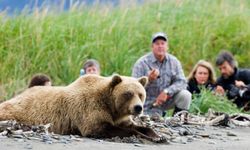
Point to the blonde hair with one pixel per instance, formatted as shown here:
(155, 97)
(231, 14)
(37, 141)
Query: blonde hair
(204, 64)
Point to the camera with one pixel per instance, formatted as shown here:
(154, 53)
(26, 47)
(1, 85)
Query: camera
(246, 94)
(233, 92)
(236, 92)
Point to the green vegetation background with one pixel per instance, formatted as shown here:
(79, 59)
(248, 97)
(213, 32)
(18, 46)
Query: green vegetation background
(55, 42)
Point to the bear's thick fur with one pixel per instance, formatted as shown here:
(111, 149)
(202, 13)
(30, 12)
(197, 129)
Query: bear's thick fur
(92, 106)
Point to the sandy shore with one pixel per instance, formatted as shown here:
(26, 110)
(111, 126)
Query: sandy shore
(219, 138)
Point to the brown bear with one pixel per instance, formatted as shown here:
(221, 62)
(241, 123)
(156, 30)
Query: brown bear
(91, 106)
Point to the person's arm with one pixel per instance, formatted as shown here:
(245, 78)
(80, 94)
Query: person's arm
(139, 69)
(142, 68)
(246, 78)
(179, 82)
(243, 79)
(219, 87)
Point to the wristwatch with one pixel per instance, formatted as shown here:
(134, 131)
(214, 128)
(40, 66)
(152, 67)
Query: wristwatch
(165, 91)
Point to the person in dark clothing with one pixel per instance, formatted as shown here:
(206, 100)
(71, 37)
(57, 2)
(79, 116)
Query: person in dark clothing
(234, 82)
(40, 80)
(202, 76)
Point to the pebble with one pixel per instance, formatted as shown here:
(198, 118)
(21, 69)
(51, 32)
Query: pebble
(204, 135)
(145, 118)
(137, 145)
(34, 138)
(179, 140)
(200, 128)
(17, 136)
(237, 139)
(20, 140)
(4, 133)
(231, 134)
(219, 148)
(183, 132)
(28, 146)
(63, 141)
(218, 134)
(56, 137)
(213, 137)
(197, 137)
(48, 142)
(189, 139)
(100, 141)
(3, 137)
(75, 138)
(222, 139)
(47, 139)
(211, 142)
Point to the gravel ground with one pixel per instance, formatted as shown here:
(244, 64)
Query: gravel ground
(194, 137)
(219, 139)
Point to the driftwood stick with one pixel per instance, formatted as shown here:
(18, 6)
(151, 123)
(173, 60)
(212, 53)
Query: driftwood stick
(238, 115)
(7, 123)
(241, 123)
(214, 121)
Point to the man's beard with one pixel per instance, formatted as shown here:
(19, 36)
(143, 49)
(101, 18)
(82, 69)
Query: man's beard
(225, 76)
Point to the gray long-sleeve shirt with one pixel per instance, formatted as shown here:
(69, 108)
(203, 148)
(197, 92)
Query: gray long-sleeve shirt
(171, 75)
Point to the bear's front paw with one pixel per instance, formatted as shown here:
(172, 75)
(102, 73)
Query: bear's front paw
(160, 139)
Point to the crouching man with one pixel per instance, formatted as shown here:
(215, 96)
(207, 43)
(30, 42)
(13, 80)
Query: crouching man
(167, 84)
(234, 82)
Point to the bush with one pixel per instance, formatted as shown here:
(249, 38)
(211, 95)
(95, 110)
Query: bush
(206, 100)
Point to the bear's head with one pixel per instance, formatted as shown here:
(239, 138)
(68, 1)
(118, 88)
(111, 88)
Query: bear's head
(128, 94)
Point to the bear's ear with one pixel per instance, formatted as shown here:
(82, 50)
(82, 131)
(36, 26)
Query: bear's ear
(143, 80)
(116, 79)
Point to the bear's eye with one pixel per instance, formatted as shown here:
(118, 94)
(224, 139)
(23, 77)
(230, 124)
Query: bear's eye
(128, 95)
(140, 95)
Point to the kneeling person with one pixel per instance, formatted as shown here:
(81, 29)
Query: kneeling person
(233, 80)
(167, 83)
(202, 76)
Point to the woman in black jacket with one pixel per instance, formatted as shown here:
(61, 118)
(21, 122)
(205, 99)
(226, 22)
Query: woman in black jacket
(202, 75)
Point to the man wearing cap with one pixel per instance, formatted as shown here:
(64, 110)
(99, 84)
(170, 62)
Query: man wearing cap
(167, 84)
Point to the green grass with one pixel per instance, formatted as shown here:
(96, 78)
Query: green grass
(58, 43)
(206, 100)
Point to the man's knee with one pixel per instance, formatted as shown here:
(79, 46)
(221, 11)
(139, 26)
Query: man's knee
(183, 99)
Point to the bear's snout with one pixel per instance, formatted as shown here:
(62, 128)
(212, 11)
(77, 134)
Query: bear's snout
(137, 109)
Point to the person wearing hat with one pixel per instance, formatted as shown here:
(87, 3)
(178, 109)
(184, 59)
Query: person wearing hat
(167, 84)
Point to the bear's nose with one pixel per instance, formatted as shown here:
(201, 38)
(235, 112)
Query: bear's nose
(138, 109)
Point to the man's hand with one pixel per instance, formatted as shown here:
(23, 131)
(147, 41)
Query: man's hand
(162, 98)
(239, 84)
(219, 90)
(153, 74)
